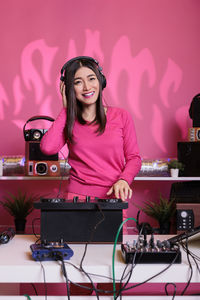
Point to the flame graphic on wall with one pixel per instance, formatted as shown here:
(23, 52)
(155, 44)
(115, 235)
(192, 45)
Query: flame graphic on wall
(35, 88)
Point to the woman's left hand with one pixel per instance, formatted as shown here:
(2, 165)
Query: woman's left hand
(121, 189)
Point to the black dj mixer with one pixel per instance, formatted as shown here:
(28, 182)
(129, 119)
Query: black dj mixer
(74, 221)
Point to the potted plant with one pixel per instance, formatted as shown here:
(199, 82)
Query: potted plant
(174, 166)
(19, 206)
(162, 211)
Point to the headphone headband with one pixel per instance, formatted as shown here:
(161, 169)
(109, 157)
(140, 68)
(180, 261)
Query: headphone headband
(29, 134)
(38, 118)
(62, 78)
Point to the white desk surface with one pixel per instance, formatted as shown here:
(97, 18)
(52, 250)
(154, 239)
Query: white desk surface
(101, 297)
(17, 265)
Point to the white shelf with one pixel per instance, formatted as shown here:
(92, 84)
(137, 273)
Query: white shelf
(145, 178)
(32, 178)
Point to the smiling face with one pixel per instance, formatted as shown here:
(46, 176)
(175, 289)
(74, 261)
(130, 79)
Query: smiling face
(86, 86)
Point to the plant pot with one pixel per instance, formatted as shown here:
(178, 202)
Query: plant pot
(20, 225)
(174, 172)
(164, 228)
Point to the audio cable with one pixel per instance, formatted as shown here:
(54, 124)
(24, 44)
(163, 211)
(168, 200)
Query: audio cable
(190, 266)
(62, 176)
(27, 296)
(166, 286)
(86, 245)
(132, 266)
(59, 257)
(152, 277)
(44, 277)
(113, 256)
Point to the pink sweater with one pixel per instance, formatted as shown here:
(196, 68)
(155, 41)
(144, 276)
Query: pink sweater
(97, 161)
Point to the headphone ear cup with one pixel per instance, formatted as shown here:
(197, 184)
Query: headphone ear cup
(62, 71)
(103, 81)
(62, 78)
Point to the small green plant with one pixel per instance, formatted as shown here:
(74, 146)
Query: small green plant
(175, 164)
(20, 205)
(162, 211)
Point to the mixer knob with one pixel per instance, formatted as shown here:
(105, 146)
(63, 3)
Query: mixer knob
(87, 199)
(184, 214)
(75, 199)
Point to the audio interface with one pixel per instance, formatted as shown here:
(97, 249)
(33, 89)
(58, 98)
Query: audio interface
(51, 251)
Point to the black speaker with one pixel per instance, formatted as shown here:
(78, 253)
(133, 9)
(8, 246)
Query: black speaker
(194, 110)
(78, 226)
(187, 216)
(185, 192)
(189, 155)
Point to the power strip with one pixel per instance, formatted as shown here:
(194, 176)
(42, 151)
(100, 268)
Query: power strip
(141, 252)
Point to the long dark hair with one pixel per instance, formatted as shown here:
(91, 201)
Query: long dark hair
(74, 107)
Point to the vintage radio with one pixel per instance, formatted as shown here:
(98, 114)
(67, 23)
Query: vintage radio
(35, 134)
(42, 168)
(194, 134)
(33, 152)
(37, 163)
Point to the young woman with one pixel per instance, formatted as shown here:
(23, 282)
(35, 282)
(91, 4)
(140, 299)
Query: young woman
(102, 144)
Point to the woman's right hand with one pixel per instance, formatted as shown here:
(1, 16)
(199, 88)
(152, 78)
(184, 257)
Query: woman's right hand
(62, 91)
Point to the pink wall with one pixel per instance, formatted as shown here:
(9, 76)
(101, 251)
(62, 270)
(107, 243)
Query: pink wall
(149, 51)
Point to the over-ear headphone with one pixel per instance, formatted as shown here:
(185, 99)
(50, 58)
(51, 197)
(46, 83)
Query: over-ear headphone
(103, 78)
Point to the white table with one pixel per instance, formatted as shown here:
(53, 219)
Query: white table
(17, 266)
